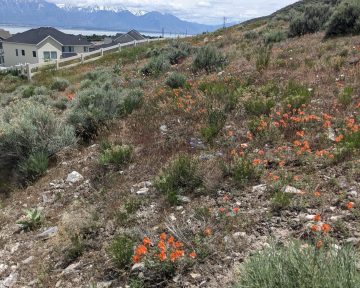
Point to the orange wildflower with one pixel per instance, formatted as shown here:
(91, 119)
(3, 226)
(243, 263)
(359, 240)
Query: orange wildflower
(256, 162)
(339, 138)
(163, 236)
(141, 250)
(162, 256)
(147, 241)
(314, 228)
(171, 240)
(317, 218)
(236, 210)
(325, 228)
(193, 255)
(317, 194)
(350, 205)
(300, 133)
(136, 258)
(222, 209)
(161, 245)
(178, 244)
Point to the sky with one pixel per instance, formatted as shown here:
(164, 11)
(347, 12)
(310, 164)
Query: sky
(203, 11)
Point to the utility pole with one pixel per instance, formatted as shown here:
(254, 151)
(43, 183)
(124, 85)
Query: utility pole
(224, 22)
(163, 32)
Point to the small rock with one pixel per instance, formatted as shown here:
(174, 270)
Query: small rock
(238, 235)
(179, 208)
(172, 217)
(28, 260)
(195, 275)
(221, 73)
(196, 143)
(138, 267)
(163, 129)
(259, 188)
(206, 40)
(292, 190)
(74, 177)
(184, 199)
(10, 281)
(336, 218)
(104, 284)
(51, 232)
(352, 194)
(331, 134)
(3, 268)
(71, 268)
(142, 191)
(354, 241)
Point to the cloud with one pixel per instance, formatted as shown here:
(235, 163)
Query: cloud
(204, 11)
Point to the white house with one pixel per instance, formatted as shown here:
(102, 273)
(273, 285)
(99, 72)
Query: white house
(41, 45)
(3, 35)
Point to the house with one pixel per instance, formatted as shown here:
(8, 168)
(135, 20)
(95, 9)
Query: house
(3, 35)
(41, 45)
(121, 38)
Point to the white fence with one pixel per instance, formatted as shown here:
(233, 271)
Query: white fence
(29, 70)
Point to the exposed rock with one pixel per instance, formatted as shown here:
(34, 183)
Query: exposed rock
(71, 268)
(138, 267)
(331, 134)
(238, 235)
(292, 190)
(9, 281)
(104, 284)
(142, 191)
(259, 188)
(163, 129)
(352, 194)
(48, 233)
(74, 177)
(28, 260)
(3, 268)
(184, 199)
(195, 275)
(354, 241)
(196, 143)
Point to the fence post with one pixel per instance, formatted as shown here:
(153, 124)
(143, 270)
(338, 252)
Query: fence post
(102, 52)
(135, 42)
(28, 70)
(119, 47)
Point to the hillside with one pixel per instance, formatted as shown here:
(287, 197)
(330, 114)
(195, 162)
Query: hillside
(174, 164)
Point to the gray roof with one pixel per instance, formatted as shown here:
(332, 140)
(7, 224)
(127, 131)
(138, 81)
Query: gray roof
(136, 35)
(35, 36)
(4, 34)
(124, 39)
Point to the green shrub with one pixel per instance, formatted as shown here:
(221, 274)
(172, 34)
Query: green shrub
(121, 251)
(117, 155)
(274, 37)
(209, 59)
(75, 249)
(34, 166)
(29, 131)
(61, 103)
(180, 177)
(295, 266)
(92, 108)
(40, 90)
(28, 92)
(244, 172)
(178, 51)
(345, 20)
(176, 80)
(60, 84)
(297, 95)
(280, 201)
(345, 97)
(156, 65)
(312, 20)
(263, 55)
(32, 221)
(251, 35)
(216, 121)
(259, 106)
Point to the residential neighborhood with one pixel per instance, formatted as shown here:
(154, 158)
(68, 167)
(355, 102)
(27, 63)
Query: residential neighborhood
(45, 44)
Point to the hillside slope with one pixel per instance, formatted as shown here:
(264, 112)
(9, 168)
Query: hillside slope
(187, 166)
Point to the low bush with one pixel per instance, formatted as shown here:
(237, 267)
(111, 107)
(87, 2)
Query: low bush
(259, 106)
(156, 65)
(29, 132)
(297, 95)
(60, 84)
(176, 80)
(345, 20)
(74, 250)
(180, 177)
(178, 51)
(121, 251)
(296, 265)
(243, 171)
(32, 221)
(116, 155)
(209, 59)
(263, 55)
(92, 108)
(216, 121)
(274, 37)
(345, 97)
(28, 92)
(34, 166)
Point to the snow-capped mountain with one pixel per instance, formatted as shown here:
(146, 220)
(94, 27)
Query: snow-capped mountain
(119, 18)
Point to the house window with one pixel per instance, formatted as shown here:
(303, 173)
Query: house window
(68, 49)
(2, 60)
(50, 55)
(86, 49)
(34, 54)
(1, 46)
(23, 52)
(17, 52)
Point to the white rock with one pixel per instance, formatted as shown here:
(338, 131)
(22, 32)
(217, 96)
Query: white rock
(184, 199)
(10, 281)
(195, 275)
(336, 218)
(71, 268)
(28, 260)
(74, 177)
(163, 128)
(238, 235)
(331, 134)
(292, 190)
(221, 73)
(172, 217)
(259, 188)
(138, 267)
(3, 268)
(352, 194)
(104, 284)
(142, 191)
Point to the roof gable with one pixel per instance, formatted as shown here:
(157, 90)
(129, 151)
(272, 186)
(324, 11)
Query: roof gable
(36, 36)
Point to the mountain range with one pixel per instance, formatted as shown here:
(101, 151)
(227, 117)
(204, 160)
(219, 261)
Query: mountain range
(43, 13)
